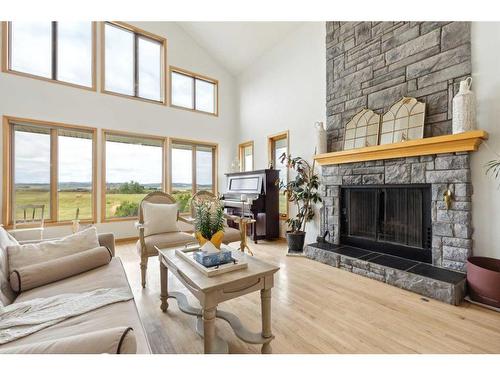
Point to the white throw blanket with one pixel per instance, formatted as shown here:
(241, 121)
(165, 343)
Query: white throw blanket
(22, 319)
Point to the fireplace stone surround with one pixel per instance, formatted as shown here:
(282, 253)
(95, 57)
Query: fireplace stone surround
(451, 229)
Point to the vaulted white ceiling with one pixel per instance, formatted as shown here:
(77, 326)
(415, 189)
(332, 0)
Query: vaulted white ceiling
(237, 44)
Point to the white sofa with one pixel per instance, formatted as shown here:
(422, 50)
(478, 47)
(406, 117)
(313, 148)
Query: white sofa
(75, 335)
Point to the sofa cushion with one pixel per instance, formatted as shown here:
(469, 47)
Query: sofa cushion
(35, 275)
(28, 254)
(164, 240)
(7, 295)
(116, 340)
(159, 218)
(121, 314)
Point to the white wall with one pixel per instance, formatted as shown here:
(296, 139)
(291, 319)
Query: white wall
(31, 98)
(285, 90)
(486, 84)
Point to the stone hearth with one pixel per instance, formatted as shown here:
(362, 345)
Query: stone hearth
(422, 278)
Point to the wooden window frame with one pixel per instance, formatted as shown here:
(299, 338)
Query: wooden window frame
(8, 165)
(271, 140)
(241, 156)
(105, 132)
(195, 76)
(193, 143)
(6, 45)
(137, 33)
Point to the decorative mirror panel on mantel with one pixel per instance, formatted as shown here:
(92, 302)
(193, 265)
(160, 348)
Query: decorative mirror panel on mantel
(404, 121)
(362, 130)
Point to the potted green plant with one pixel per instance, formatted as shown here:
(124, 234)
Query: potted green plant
(302, 191)
(209, 222)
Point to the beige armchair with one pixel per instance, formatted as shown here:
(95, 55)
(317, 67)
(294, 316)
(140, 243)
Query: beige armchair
(230, 234)
(146, 244)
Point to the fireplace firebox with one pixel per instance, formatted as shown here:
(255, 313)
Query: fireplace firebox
(394, 220)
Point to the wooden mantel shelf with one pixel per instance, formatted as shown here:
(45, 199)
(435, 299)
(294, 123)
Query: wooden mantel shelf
(468, 141)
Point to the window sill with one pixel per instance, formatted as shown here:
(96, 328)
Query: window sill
(119, 219)
(162, 102)
(47, 224)
(45, 79)
(194, 110)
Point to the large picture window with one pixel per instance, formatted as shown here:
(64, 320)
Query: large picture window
(193, 168)
(58, 51)
(278, 144)
(133, 62)
(133, 167)
(192, 91)
(51, 165)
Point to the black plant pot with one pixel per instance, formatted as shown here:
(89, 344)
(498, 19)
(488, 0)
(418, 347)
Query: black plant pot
(295, 241)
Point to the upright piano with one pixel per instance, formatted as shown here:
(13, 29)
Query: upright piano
(255, 194)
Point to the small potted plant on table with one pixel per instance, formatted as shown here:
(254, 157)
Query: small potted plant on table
(302, 191)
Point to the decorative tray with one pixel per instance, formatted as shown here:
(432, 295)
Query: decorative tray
(237, 262)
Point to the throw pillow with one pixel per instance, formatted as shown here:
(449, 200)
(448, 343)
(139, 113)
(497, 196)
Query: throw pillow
(33, 253)
(159, 218)
(35, 275)
(7, 295)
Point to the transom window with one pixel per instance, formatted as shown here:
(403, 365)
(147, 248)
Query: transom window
(245, 153)
(133, 62)
(51, 165)
(278, 145)
(192, 91)
(59, 51)
(193, 168)
(133, 167)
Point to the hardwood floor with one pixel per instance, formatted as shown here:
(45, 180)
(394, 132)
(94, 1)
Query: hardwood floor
(320, 309)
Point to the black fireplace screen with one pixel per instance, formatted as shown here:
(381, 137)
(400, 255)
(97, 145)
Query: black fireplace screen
(394, 220)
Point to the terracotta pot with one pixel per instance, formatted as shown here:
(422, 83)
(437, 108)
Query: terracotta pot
(483, 280)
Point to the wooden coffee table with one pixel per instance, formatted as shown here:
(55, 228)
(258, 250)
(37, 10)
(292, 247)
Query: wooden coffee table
(210, 291)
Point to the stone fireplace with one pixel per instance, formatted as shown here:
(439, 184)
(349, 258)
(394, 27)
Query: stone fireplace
(386, 215)
(450, 237)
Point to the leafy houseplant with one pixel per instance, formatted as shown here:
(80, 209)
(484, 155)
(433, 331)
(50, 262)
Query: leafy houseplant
(209, 222)
(303, 192)
(493, 168)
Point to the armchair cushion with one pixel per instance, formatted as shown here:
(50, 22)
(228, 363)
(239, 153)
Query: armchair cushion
(35, 275)
(25, 255)
(231, 235)
(159, 218)
(164, 240)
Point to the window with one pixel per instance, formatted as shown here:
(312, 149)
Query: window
(133, 62)
(278, 144)
(192, 169)
(52, 165)
(133, 167)
(192, 91)
(246, 156)
(59, 51)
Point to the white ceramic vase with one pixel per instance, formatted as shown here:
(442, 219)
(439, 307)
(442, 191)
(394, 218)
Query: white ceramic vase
(464, 108)
(320, 138)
